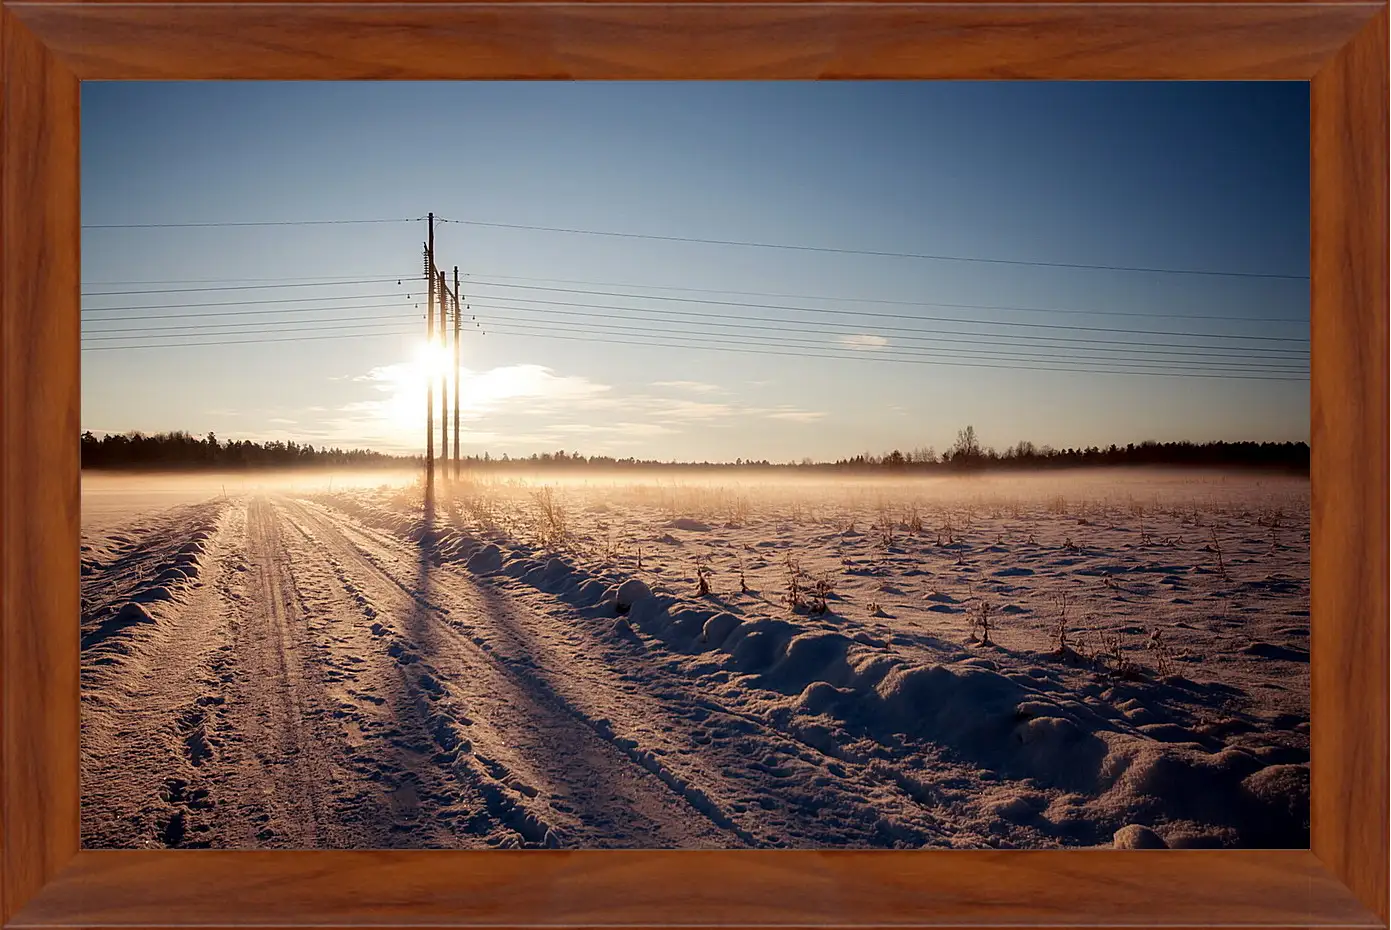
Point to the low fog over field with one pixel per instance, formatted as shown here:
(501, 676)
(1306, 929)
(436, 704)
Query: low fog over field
(312, 660)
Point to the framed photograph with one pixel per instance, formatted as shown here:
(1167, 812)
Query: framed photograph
(785, 464)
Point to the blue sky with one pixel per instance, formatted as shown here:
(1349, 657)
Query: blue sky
(1191, 176)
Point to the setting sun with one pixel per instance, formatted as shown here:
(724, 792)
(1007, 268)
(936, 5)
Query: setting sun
(432, 360)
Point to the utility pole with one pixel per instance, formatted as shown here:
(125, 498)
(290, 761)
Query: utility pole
(444, 388)
(430, 341)
(458, 314)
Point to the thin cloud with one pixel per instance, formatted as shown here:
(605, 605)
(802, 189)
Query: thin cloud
(864, 341)
(622, 429)
(695, 387)
(694, 410)
(795, 415)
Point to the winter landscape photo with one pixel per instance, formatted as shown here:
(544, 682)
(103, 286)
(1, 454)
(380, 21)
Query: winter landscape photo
(696, 466)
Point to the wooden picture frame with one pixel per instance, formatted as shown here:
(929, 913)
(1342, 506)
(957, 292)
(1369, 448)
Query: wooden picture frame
(47, 48)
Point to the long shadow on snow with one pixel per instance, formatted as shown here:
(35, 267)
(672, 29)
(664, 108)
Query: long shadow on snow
(449, 748)
(536, 675)
(414, 696)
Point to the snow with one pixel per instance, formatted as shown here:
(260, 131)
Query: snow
(631, 591)
(470, 680)
(486, 559)
(1135, 836)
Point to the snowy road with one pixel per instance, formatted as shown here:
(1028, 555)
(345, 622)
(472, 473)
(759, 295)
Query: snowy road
(362, 704)
(282, 672)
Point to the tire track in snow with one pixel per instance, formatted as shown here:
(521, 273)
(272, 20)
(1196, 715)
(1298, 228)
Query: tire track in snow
(287, 781)
(609, 794)
(450, 800)
(151, 702)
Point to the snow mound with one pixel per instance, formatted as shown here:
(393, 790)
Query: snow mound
(651, 612)
(487, 559)
(718, 628)
(1264, 650)
(820, 698)
(590, 592)
(632, 591)
(967, 706)
(685, 523)
(1282, 793)
(1136, 836)
(757, 644)
(131, 615)
(815, 657)
(556, 570)
(686, 626)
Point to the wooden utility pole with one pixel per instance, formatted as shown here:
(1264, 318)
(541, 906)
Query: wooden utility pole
(458, 315)
(430, 341)
(444, 387)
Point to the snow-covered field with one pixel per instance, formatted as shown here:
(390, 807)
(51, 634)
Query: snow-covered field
(688, 662)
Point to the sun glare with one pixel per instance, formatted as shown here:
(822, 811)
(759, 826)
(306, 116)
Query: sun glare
(431, 360)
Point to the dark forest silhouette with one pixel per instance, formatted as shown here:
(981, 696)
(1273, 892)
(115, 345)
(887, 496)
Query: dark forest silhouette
(181, 451)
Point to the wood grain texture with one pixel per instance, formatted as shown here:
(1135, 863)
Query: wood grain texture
(46, 46)
(39, 495)
(649, 40)
(1348, 148)
(544, 888)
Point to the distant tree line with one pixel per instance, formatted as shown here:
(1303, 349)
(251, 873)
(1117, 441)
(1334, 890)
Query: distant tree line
(180, 450)
(966, 455)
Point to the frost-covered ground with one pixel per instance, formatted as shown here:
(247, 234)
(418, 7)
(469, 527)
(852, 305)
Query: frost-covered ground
(700, 662)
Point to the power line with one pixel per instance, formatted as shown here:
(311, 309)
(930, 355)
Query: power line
(870, 356)
(745, 321)
(322, 279)
(246, 342)
(896, 316)
(874, 252)
(933, 337)
(927, 352)
(418, 219)
(149, 330)
(203, 316)
(936, 335)
(690, 342)
(873, 300)
(713, 345)
(1140, 352)
(242, 303)
(249, 287)
(179, 335)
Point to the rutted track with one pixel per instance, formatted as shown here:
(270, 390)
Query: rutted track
(156, 652)
(574, 779)
(292, 751)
